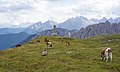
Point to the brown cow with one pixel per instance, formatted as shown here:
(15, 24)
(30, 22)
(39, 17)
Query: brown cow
(68, 43)
(18, 45)
(38, 41)
(46, 40)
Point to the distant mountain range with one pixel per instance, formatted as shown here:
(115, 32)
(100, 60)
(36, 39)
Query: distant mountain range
(8, 40)
(79, 22)
(103, 28)
(39, 26)
(70, 24)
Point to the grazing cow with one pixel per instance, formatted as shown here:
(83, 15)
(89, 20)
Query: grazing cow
(45, 53)
(106, 54)
(49, 44)
(67, 43)
(46, 40)
(38, 41)
(18, 45)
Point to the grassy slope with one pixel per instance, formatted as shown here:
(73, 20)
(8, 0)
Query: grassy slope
(81, 56)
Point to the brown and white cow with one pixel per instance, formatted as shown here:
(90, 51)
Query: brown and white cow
(49, 44)
(106, 54)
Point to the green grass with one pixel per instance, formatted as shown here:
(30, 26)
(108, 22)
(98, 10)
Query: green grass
(82, 56)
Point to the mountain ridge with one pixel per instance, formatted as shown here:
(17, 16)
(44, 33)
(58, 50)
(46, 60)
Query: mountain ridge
(103, 28)
(70, 24)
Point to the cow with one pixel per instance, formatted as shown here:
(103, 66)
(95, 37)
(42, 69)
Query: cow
(49, 44)
(38, 41)
(45, 53)
(106, 54)
(68, 43)
(18, 45)
(46, 40)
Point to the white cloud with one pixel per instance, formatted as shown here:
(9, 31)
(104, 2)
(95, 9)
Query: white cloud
(21, 11)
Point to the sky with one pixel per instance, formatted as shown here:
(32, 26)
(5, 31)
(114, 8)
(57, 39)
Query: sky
(15, 12)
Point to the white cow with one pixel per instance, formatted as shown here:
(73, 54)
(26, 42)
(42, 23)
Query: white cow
(106, 54)
(45, 53)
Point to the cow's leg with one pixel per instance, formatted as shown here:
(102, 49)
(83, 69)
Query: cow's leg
(106, 56)
(47, 44)
(110, 56)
